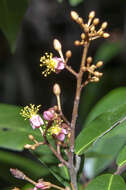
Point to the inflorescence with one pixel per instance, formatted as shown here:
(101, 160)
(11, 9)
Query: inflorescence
(53, 122)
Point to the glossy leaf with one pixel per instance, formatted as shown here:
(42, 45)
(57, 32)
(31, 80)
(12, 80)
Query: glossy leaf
(56, 173)
(108, 50)
(16, 160)
(109, 102)
(106, 150)
(98, 127)
(121, 159)
(107, 182)
(11, 15)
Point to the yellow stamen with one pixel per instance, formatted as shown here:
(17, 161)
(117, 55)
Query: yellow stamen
(55, 130)
(49, 63)
(29, 111)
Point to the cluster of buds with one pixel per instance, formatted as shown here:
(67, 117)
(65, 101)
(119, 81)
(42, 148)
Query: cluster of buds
(93, 75)
(89, 28)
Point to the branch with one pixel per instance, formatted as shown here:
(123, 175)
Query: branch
(120, 170)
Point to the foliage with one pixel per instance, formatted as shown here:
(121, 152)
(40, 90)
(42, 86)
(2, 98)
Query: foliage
(11, 15)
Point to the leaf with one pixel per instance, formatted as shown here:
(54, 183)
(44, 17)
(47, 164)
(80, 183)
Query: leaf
(75, 2)
(121, 159)
(11, 15)
(110, 102)
(16, 160)
(108, 50)
(98, 127)
(107, 182)
(109, 147)
(55, 173)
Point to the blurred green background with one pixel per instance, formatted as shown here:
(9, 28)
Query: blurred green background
(27, 29)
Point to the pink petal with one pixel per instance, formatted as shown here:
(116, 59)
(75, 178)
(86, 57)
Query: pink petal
(60, 137)
(48, 115)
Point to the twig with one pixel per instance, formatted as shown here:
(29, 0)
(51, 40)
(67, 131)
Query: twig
(55, 152)
(57, 187)
(74, 119)
(71, 70)
(120, 170)
(78, 162)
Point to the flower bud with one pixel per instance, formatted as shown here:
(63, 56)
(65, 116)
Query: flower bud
(97, 74)
(57, 45)
(104, 25)
(96, 21)
(101, 33)
(68, 54)
(27, 146)
(17, 173)
(95, 79)
(74, 15)
(31, 137)
(92, 14)
(89, 60)
(82, 36)
(77, 43)
(56, 89)
(49, 114)
(92, 28)
(106, 35)
(99, 63)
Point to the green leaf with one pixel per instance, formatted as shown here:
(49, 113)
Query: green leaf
(108, 103)
(55, 173)
(16, 160)
(108, 50)
(99, 127)
(108, 147)
(107, 182)
(75, 2)
(121, 159)
(11, 15)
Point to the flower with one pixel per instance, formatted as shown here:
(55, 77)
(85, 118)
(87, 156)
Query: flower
(57, 131)
(42, 185)
(30, 112)
(49, 114)
(52, 64)
(61, 135)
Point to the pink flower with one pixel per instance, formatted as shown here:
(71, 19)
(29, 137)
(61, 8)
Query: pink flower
(49, 114)
(52, 64)
(59, 64)
(61, 135)
(36, 121)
